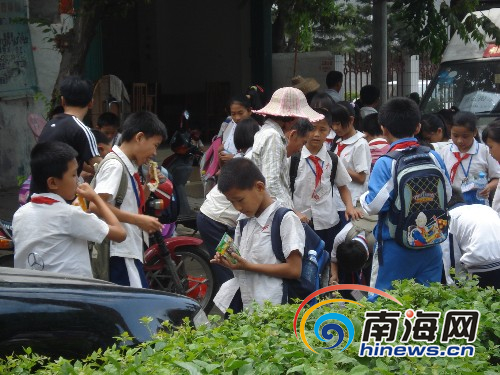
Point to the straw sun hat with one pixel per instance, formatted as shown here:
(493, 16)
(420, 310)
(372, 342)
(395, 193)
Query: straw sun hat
(306, 85)
(290, 102)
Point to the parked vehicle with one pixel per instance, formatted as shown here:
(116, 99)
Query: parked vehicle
(61, 315)
(468, 77)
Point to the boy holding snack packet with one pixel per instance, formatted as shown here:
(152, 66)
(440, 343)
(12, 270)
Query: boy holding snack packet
(258, 273)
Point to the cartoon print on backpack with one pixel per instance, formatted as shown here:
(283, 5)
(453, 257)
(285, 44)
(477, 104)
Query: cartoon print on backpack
(425, 233)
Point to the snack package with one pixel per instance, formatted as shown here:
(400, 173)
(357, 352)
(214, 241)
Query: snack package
(226, 247)
(153, 176)
(82, 203)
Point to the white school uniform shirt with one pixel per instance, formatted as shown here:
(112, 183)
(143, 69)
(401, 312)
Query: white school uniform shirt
(107, 182)
(56, 236)
(496, 200)
(475, 229)
(479, 161)
(356, 156)
(322, 210)
(217, 207)
(255, 246)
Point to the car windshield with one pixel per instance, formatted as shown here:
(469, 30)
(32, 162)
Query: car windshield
(470, 86)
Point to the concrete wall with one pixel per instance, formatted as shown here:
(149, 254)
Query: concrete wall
(16, 138)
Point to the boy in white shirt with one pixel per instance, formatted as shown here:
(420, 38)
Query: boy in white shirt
(142, 133)
(258, 273)
(312, 188)
(49, 234)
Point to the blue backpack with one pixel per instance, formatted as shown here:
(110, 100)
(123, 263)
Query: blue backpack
(418, 217)
(297, 288)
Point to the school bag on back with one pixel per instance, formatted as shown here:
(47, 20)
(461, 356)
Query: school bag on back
(301, 287)
(418, 217)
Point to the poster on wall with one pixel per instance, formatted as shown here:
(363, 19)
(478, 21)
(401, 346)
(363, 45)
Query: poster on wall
(17, 70)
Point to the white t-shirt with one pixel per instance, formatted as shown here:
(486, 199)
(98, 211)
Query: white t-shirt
(475, 228)
(357, 157)
(321, 208)
(108, 182)
(217, 207)
(53, 237)
(255, 246)
(479, 160)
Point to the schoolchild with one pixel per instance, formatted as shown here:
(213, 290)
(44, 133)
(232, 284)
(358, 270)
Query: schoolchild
(312, 193)
(474, 242)
(49, 234)
(491, 137)
(369, 96)
(324, 100)
(400, 121)
(103, 143)
(240, 108)
(217, 215)
(465, 158)
(353, 151)
(257, 272)
(142, 133)
(269, 150)
(109, 124)
(433, 132)
(76, 98)
(373, 135)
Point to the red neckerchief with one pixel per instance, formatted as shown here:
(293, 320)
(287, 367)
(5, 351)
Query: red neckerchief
(340, 148)
(142, 198)
(319, 169)
(403, 145)
(453, 170)
(44, 200)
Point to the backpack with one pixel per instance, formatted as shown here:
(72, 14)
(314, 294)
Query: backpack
(418, 218)
(100, 252)
(301, 287)
(294, 168)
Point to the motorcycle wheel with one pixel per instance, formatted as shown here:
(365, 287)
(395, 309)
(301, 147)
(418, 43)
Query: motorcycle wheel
(193, 267)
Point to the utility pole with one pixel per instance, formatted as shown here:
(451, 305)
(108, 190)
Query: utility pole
(379, 50)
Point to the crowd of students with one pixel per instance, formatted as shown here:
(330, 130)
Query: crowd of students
(322, 158)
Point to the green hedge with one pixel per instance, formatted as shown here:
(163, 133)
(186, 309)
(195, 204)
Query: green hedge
(263, 342)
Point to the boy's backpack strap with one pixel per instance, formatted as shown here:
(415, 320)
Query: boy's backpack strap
(122, 188)
(294, 168)
(276, 234)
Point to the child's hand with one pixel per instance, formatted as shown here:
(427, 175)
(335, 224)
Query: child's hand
(241, 263)
(334, 280)
(485, 193)
(353, 214)
(148, 223)
(85, 190)
(303, 218)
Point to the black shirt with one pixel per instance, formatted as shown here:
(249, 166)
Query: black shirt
(69, 129)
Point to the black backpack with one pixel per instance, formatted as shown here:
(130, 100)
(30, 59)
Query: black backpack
(294, 168)
(418, 218)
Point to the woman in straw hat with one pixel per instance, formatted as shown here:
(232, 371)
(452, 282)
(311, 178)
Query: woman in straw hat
(269, 151)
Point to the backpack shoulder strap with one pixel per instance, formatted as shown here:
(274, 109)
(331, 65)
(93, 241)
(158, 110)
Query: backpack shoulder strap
(275, 233)
(294, 168)
(122, 188)
(335, 163)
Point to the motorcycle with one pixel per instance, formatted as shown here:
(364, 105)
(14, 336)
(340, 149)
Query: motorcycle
(177, 264)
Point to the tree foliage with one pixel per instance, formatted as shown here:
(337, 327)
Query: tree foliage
(414, 26)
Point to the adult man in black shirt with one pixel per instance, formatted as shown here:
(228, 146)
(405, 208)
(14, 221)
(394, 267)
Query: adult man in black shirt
(76, 98)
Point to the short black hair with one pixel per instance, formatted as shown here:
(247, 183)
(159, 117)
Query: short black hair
(432, 123)
(322, 100)
(492, 131)
(239, 173)
(325, 112)
(342, 112)
(100, 137)
(400, 116)
(108, 118)
(370, 125)
(303, 127)
(76, 91)
(466, 119)
(244, 133)
(145, 122)
(351, 256)
(49, 159)
(369, 94)
(333, 77)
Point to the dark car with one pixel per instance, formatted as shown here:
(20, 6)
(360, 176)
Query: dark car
(59, 315)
